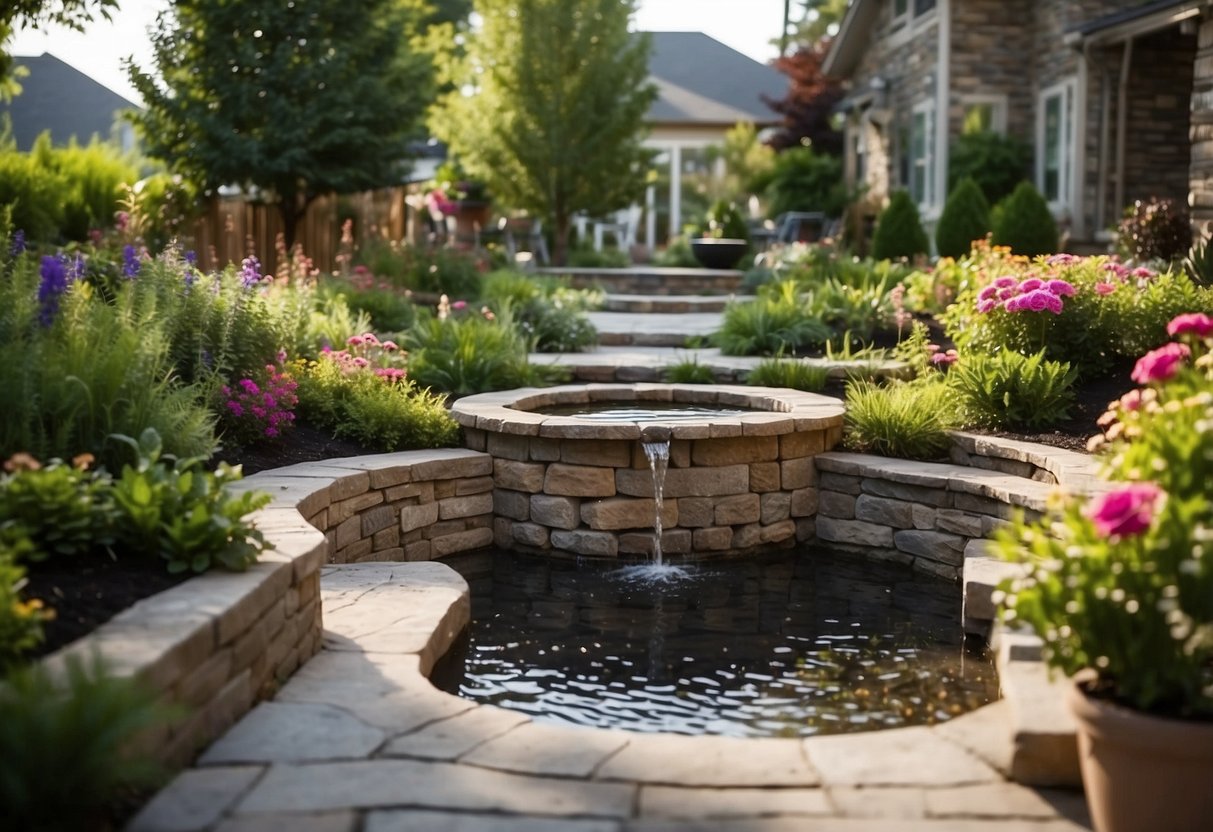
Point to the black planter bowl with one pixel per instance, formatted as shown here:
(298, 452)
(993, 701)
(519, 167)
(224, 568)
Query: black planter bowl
(718, 252)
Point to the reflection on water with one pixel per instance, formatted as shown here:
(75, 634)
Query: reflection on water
(789, 645)
(615, 412)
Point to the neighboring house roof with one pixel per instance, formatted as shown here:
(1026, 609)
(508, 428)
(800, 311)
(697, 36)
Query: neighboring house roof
(700, 81)
(58, 97)
(852, 39)
(1139, 20)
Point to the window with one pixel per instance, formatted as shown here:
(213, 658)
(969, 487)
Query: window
(921, 7)
(1055, 144)
(905, 10)
(901, 13)
(922, 154)
(984, 114)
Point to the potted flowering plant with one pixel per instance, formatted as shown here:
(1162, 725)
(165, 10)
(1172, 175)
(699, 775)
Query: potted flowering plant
(1121, 592)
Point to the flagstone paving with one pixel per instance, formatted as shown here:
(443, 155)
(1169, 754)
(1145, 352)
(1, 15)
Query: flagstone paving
(359, 739)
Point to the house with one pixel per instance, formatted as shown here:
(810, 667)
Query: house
(703, 89)
(59, 98)
(1104, 91)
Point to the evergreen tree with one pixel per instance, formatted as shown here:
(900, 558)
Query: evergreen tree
(556, 122)
(965, 218)
(294, 100)
(1024, 222)
(899, 231)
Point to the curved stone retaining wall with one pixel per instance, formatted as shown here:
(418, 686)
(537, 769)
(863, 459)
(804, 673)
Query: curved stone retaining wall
(735, 482)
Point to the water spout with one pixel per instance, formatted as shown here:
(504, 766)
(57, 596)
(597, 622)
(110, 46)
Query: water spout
(659, 461)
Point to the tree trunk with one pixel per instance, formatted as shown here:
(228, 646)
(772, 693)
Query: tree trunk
(562, 227)
(293, 208)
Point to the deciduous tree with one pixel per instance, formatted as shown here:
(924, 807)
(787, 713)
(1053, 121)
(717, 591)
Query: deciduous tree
(293, 100)
(808, 107)
(34, 14)
(556, 119)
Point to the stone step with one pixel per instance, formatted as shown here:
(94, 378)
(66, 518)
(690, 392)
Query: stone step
(670, 304)
(656, 329)
(982, 574)
(654, 280)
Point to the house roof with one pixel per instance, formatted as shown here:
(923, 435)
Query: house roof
(60, 98)
(701, 81)
(1140, 20)
(852, 39)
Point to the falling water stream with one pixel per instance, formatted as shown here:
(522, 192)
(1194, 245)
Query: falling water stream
(658, 454)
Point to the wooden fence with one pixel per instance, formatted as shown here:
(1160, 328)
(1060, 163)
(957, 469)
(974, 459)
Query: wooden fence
(231, 228)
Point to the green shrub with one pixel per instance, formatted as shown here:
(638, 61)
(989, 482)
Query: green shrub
(1156, 229)
(775, 322)
(965, 218)
(93, 177)
(586, 257)
(676, 254)
(434, 271)
(1024, 223)
(908, 420)
(1009, 390)
(724, 220)
(899, 232)
(386, 310)
(789, 372)
(859, 311)
(59, 509)
(545, 311)
(996, 162)
(67, 745)
(33, 193)
(688, 371)
(806, 181)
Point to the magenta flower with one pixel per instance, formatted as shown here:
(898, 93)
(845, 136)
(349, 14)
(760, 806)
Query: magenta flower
(1062, 259)
(1006, 293)
(1195, 323)
(1160, 364)
(1014, 304)
(984, 306)
(1142, 273)
(354, 340)
(1005, 282)
(988, 293)
(250, 387)
(945, 358)
(459, 305)
(390, 346)
(370, 339)
(1060, 287)
(1105, 288)
(1037, 300)
(1125, 512)
(1030, 285)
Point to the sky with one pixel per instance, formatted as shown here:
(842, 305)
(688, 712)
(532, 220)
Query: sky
(746, 25)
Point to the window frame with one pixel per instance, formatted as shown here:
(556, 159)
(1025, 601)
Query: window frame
(923, 164)
(1066, 93)
(998, 103)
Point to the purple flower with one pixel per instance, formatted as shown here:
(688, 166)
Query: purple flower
(53, 285)
(1060, 287)
(250, 387)
(1037, 300)
(130, 261)
(250, 272)
(1014, 304)
(988, 293)
(191, 257)
(18, 245)
(1005, 282)
(1053, 304)
(988, 305)
(1030, 285)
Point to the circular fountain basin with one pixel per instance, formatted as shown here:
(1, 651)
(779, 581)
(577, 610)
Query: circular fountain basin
(741, 476)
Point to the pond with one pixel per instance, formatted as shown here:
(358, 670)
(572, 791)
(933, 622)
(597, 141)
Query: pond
(787, 645)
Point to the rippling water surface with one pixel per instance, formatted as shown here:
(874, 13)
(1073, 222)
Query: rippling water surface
(791, 645)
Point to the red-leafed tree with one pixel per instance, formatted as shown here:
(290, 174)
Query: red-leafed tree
(808, 107)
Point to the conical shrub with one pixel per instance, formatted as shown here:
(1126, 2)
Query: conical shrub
(1023, 222)
(965, 218)
(899, 231)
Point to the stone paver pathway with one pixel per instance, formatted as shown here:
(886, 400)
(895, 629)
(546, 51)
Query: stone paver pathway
(359, 739)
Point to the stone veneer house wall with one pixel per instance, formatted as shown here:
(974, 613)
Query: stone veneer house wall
(1100, 89)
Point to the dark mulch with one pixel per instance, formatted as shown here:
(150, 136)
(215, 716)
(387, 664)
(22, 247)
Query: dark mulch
(86, 592)
(304, 443)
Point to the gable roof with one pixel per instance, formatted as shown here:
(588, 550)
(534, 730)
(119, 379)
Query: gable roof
(62, 99)
(852, 39)
(700, 81)
(1137, 20)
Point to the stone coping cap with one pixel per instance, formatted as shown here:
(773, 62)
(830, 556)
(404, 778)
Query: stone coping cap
(1078, 471)
(786, 411)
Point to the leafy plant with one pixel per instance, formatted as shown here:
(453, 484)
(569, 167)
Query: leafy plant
(996, 162)
(965, 218)
(1154, 229)
(689, 371)
(806, 181)
(67, 746)
(1024, 223)
(387, 310)
(899, 231)
(789, 372)
(1199, 262)
(1009, 390)
(777, 321)
(900, 419)
(677, 254)
(545, 311)
(724, 220)
(61, 510)
(1123, 584)
(183, 513)
(20, 620)
(261, 409)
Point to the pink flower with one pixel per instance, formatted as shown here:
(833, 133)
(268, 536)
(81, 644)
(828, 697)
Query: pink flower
(1060, 287)
(1125, 512)
(1131, 401)
(944, 358)
(235, 407)
(1143, 273)
(1006, 293)
(1105, 288)
(1036, 300)
(1160, 364)
(984, 306)
(1005, 282)
(271, 432)
(459, 305)
(988, 293)
(933, 348)
(390, 346)
(1062, 260)
(369, 338)
(1014, 304)
(1196, 323)
(1030, 285)
(1053, 304)
(354, 341)
(250, 387)
(360, 362)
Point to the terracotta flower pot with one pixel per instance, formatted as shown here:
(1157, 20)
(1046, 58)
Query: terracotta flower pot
(1143, 773)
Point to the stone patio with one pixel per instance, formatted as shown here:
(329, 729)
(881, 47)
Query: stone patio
(360, 739)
